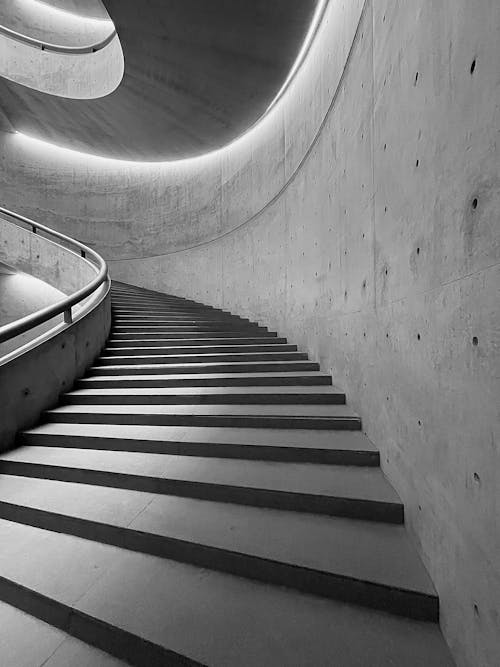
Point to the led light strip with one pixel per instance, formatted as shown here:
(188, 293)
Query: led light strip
(318, 14)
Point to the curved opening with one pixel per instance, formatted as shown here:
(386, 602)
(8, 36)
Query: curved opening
(301, 57)
(59, 52)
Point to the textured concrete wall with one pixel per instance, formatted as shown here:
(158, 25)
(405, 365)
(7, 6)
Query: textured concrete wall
(20, 295)
(381, 259)
(361, 220)
(33, 381)
(46, 273)
(40, 257)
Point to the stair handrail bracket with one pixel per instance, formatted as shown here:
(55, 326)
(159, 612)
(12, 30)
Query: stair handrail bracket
(20, 326)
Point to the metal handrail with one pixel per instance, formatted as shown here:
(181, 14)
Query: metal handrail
(28, 322)
(57, 48)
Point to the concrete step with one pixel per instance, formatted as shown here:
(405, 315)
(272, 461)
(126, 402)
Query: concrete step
(175, 315)
(207, 395)
(121, 350)
(199, 357)
(230, 367)
(355, 492)
(156, 611)
(30, 642)
(324, 417)
(173, 318)
(188, 326)
(263, 379)
(138, 343)
(170, 303)
(168, 308)
(194, 335)
(292, 445)
(313, 556)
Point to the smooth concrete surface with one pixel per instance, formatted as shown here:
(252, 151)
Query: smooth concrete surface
(45, 270)
(32, 381)
(349, 440)
(20, 295)
(48, 24)
(353, 482)
(26, 641)
(227, 524)
(43, 258)
(268, 625)
(355, 549)
(82, 76)
(197, 75)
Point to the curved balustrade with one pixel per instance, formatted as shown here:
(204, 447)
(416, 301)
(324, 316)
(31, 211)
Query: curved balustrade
(43, 359)
(57, 48)
(24, 324)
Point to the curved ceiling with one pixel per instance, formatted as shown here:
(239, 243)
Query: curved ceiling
(198, 74)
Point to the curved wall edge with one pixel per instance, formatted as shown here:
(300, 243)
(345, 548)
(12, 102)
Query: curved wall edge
(77, 76)
(137, 210)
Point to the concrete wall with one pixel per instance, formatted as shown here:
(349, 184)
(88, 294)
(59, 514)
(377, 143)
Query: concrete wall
(360, 219)
(33, 381)
(44, 259)
(20, 295)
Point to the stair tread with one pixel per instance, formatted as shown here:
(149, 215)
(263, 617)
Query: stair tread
(29, 642)
(206, 391)
(201, 376)
(352, 548)
(218, 357)
(293, 438)
(365, 483)
(254, 340)
(199, 349)
(185, 608)
(294, 410)
(213, 364)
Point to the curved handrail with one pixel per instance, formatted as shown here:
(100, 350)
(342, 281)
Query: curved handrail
(18, 327)
(57, 48)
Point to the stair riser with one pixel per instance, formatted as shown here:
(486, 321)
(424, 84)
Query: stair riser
(315, 582)
(189, 335)
(169, 310)
(232, 421)
(306, 381)
(200, 358)
(141, 303)
(164, 369)
(210, 450)
(167, 315)
(170, 314)
(208, 349)
(219, 399)
(178, 343)
(121, 644)
(140, 329)
(367, 510)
